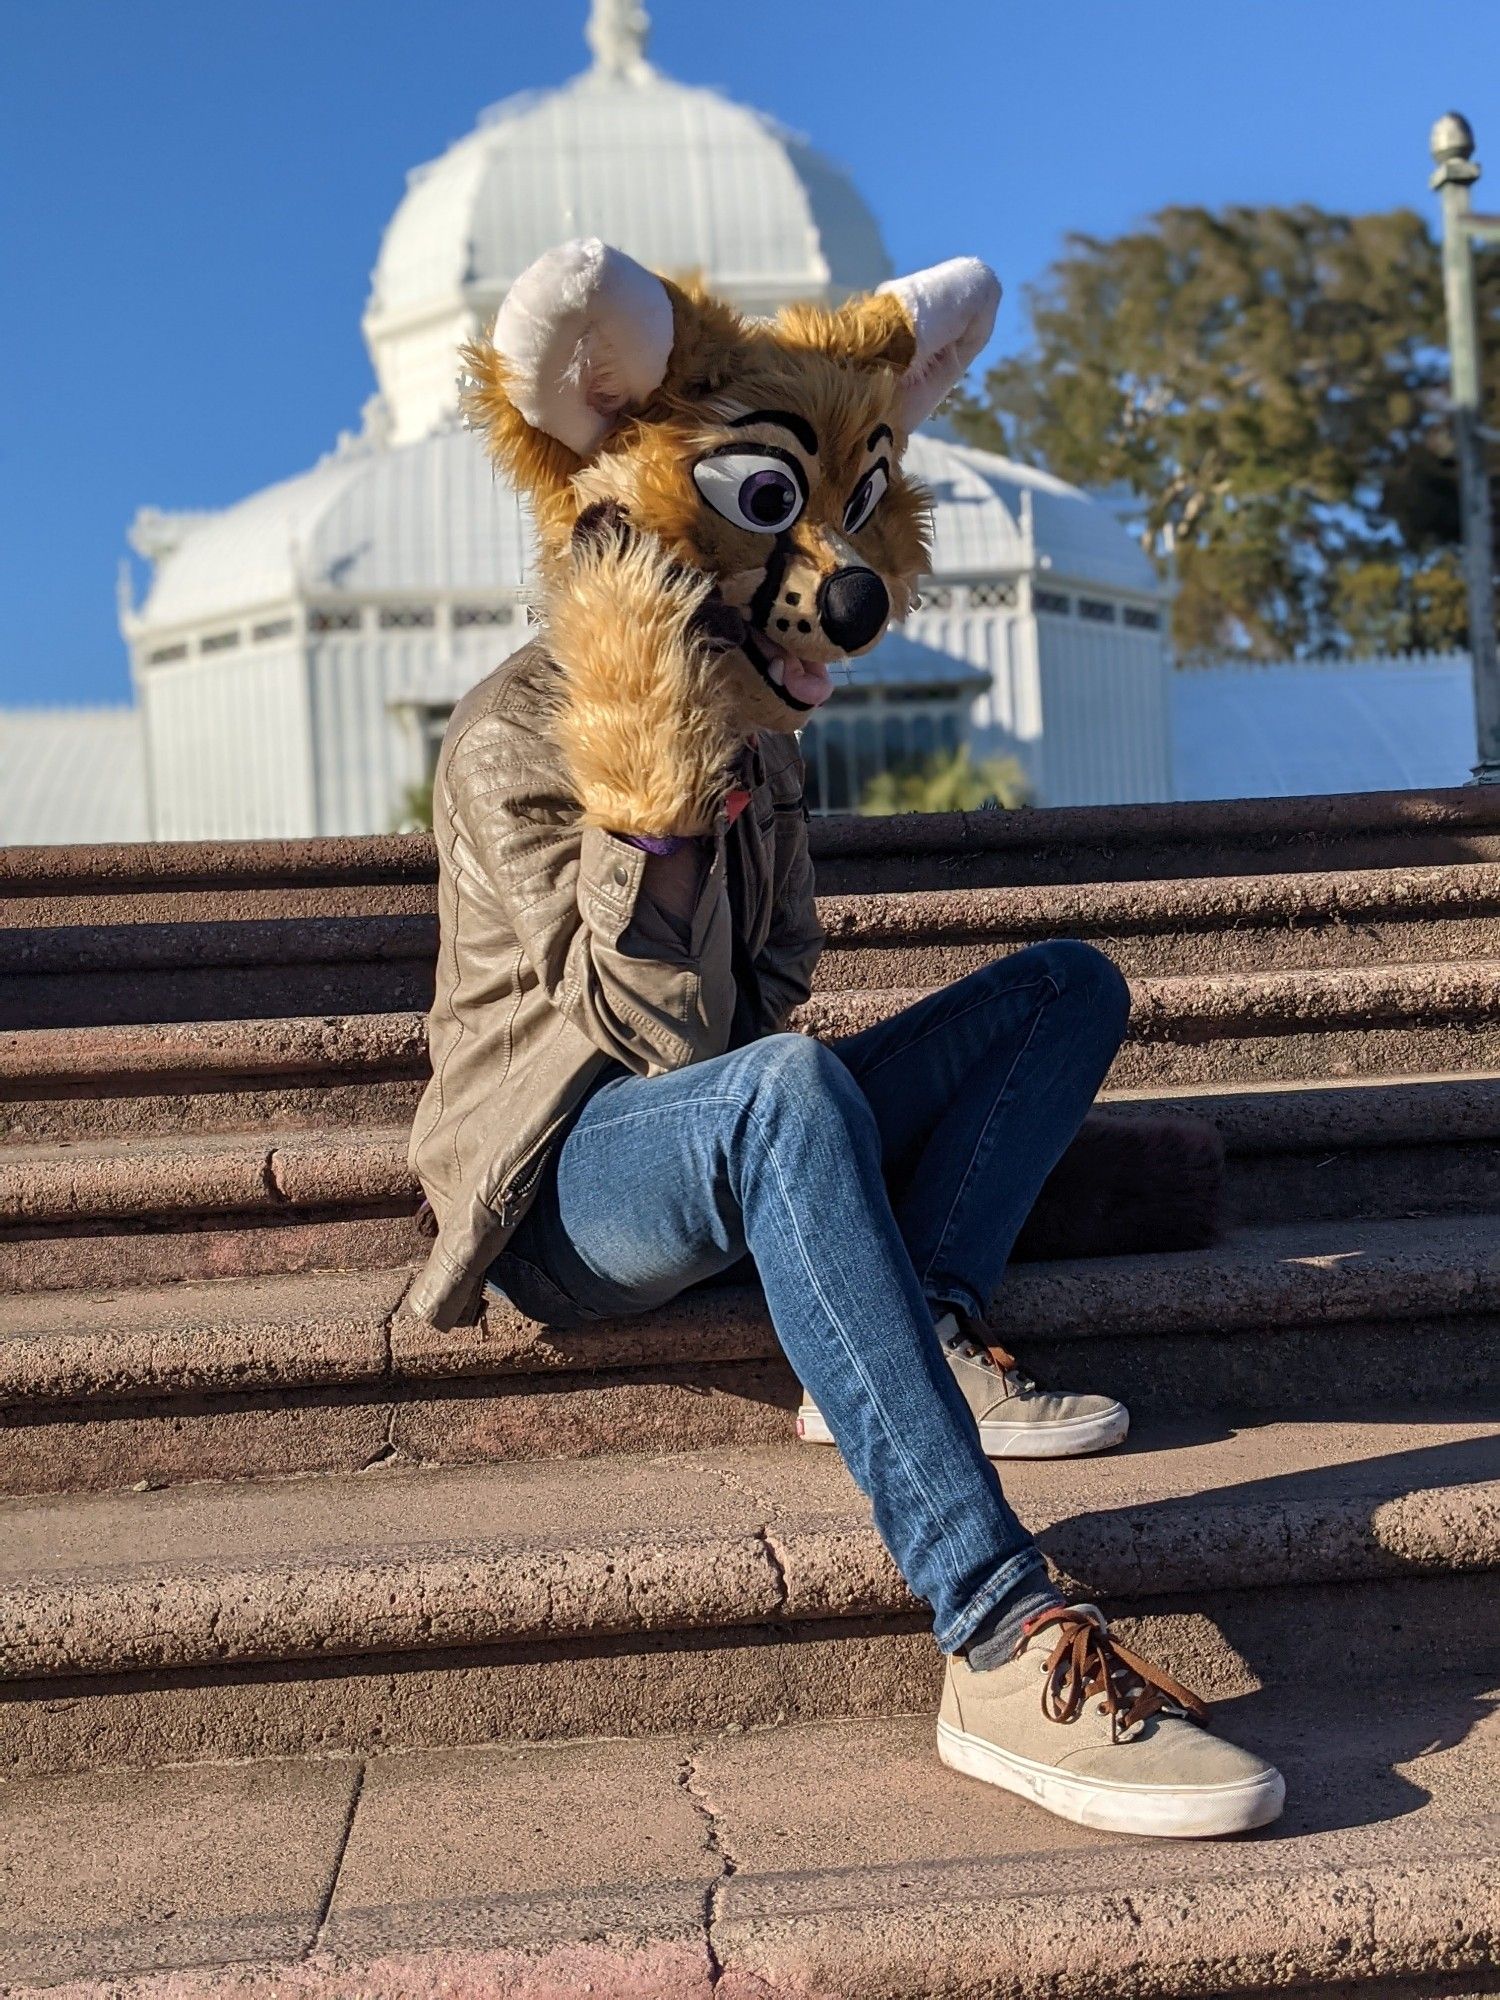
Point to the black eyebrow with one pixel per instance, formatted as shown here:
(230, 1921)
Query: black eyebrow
(799, 427)
(880, 431)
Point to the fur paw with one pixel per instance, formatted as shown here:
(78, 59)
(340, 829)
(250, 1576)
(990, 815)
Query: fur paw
(645, 722)
(602, 526)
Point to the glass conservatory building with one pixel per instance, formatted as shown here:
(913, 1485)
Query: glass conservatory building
(295, 656)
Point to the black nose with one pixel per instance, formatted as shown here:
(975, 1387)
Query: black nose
(853, 605)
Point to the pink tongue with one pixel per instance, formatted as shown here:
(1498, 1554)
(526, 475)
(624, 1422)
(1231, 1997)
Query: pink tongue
(807, 680)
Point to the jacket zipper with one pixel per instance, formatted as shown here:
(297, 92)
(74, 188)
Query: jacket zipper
(516, 1189)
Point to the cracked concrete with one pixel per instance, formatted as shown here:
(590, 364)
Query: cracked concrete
(839, 1861)
(713, 1838)
(130, 1870)
(356, 1793)
(734, 1581)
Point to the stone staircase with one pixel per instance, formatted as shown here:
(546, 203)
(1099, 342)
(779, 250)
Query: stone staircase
(343, 1656)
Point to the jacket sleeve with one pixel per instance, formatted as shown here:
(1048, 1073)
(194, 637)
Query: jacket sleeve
(785, 963)
(649, 983)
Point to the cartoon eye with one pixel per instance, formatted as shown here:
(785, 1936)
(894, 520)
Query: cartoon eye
(866, 497)
(763, 490)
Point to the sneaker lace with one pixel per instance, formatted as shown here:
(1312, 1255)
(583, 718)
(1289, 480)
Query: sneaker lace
(1086, 1662)
(990, 1354)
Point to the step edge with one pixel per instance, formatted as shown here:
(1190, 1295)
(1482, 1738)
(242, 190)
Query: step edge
(1226, 1002)
(1170, 1937)
(458, 1592)
(1418, 1269)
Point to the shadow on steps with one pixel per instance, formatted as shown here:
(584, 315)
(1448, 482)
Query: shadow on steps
(1354, 1756)
(1386, 1676)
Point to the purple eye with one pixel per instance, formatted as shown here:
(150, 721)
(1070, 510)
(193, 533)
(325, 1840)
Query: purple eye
(757, 489)
(770, 499)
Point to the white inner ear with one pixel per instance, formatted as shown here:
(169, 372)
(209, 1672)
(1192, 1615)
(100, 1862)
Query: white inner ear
(951, 309)
(586, 334)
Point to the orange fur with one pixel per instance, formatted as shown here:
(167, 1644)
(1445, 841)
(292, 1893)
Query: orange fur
(646, 725)
(539, 466)
(870, 330)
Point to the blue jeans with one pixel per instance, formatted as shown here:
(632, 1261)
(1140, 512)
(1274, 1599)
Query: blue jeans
(874, 1183)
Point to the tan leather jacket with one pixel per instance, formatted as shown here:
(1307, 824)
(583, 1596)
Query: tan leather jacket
(553, 961)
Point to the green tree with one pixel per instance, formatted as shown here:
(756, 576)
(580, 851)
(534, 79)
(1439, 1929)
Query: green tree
(946, 783)
(1270, 384)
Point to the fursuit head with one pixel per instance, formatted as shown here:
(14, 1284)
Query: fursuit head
(721, 510)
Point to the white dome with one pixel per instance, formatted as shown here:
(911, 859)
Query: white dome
(417, 520)
(430, 519)
(683, 179)
(1056, 528)
(680, 177)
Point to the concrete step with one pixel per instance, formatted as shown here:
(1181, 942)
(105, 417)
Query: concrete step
(1245, 1027)
(188, 880)
(322, 1372)
(69, 976)
(1345, 1149)
(134, 1209)
(1153, 929)
(1371, 830)
(340, 1092)
(408, 1606)
(828, 1858)
(59, 1085)
(126, 1158)
(393, 874)
(181, 931)
(1295, 1025)
(214, 967)
(107, 1212)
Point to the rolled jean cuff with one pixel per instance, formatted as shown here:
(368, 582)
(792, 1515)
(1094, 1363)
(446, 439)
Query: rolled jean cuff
(1012, 1572)
(947, 1295)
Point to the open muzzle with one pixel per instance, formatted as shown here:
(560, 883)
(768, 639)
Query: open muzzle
(815, 605)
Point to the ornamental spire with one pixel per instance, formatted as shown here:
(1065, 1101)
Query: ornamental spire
(616, 33)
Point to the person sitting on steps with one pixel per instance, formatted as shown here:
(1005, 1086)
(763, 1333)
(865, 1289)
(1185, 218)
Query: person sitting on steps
(617, 1112)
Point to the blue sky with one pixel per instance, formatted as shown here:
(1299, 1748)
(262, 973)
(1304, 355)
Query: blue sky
(195, 190)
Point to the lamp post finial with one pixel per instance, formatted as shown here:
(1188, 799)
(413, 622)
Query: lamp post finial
(1452, 138)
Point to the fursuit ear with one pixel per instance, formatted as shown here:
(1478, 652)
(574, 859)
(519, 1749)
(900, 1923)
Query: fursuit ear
(951, 311)
(585, 334)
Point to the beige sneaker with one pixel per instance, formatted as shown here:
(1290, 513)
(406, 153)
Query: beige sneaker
(1016, 1419)
(1097, 1735)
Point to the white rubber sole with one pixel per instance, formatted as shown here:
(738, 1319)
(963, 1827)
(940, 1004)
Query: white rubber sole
(1072, 1439)
(1194, 1812)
